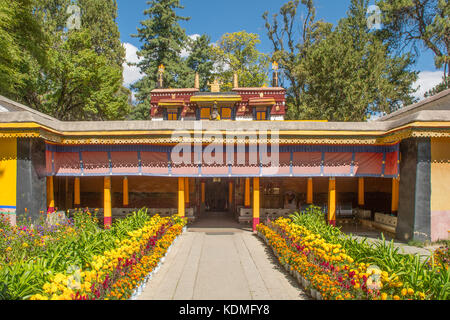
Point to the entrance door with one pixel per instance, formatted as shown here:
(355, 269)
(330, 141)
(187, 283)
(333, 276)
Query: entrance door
(216, 195)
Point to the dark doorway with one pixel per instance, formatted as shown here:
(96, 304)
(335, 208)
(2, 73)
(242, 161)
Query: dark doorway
(216, 195)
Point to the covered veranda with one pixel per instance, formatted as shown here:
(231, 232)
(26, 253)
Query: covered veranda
(342, 180)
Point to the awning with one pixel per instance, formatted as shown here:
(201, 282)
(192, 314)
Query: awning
(171, 103)
(261, 102)
(294, 161)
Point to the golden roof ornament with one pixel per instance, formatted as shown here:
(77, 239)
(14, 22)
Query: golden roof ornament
(275, 66)
(275, 74)
(161, 69)
(215, 86)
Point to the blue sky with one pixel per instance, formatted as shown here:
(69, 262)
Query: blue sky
(216, 17)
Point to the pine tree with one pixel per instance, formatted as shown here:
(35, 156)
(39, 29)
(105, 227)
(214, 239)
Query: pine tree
(163, 40)
(200, 60)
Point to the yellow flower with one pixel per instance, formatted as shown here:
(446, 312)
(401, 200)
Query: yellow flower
(404, 292)
(9, 249)
(25, 245)
(384, 296)
(410, 291)
(396, 297)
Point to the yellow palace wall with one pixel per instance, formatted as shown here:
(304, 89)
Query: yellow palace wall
(440, 188)
(8, 176)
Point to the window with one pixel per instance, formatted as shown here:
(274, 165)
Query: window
(261, 115)
(172, 115)
(225, 113)
(205, 113)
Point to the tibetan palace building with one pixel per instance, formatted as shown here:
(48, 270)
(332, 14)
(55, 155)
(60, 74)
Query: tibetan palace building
(392, 174)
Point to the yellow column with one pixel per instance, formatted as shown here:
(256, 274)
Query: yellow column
(256, 207)
(332, 201)
(76, 196)
(309, 192)
(51, 195)
(186, 190)
(247, 193)
(48, 191)
(203, 192)
(230, 193)
(361, 192)
(8, 178)
(395, 194)
(107, 213)
(181, 200)
(125, 192)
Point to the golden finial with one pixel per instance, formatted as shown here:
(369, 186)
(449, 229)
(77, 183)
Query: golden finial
(215, 86)
(275, 66)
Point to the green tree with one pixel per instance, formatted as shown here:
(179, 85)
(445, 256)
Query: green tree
(163, 40)
(21, 40)
(237, 53)
(291, 42)
(99, 17)
(419, 22)
(83, 77)
(83, 85)
(351, 73)
(444, 85)
(200, 60)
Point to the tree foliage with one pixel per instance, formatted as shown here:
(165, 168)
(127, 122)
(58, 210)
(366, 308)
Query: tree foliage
(81, 76)
(291, 41)
(416, 23)
(237, 53)
(162, 40)
(21, 39)
(200, 60)
(351, 74)
(340, 74)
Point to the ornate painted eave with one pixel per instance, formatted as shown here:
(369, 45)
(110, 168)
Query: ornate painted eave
(422, 124)
(216, 98)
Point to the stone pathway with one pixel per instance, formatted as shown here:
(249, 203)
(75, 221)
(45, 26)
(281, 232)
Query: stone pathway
(226, 263)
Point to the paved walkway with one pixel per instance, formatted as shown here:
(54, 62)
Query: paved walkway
(227, 263)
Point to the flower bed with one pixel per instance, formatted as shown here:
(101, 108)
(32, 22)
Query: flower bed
(37, 258)
(117, 273)
(326, 270)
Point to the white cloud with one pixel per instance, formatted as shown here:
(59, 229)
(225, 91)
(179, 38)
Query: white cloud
(427, 80)
(186, 51)
(131, 74)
